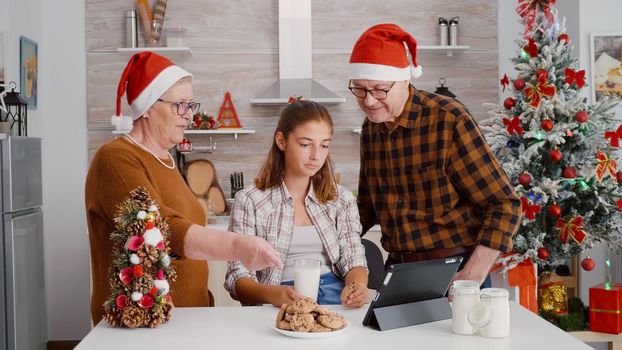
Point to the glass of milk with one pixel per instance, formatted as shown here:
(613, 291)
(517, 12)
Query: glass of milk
(307, 277)
(491, 317)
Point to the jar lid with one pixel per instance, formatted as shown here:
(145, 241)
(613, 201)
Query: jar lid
(464, 287)
(488, 293)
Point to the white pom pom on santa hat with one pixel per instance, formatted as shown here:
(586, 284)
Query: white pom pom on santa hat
(381, 53)
(146, 78)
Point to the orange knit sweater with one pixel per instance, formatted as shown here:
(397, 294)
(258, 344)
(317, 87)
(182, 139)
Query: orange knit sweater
(117, 168)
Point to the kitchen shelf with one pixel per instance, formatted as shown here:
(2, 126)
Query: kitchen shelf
(449, 50)
(159, 49)
(223, 131)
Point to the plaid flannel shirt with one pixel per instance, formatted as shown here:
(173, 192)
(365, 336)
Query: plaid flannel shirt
(433, 182)
(270, 215)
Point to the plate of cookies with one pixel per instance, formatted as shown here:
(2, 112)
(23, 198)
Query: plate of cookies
(304, 318)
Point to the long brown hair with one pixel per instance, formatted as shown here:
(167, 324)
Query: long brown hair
(273, 169)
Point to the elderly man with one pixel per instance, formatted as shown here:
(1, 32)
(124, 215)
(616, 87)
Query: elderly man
(427, 175)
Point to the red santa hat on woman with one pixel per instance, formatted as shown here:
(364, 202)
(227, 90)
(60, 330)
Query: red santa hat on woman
(146, 78)
(380, 54)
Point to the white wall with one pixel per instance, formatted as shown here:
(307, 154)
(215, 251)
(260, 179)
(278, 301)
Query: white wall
(58, 27)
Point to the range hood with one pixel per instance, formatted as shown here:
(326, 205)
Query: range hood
(295, 54)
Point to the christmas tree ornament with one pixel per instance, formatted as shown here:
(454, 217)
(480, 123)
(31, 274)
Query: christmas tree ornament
(573, 76)
(552, 294)
(529, 210)
(524, 179)
(547, 124)
(509, 103)
(573, 227)
(531, 48)
(529, 9)
(581, 116)
(543, 253)
(505, 81)
(513, 126)
(614, 136)
(519, 84)
(588, 264)
(619, 176)
(555, 210)
(569, 172)
(605, 166)
(137, 265)
(564, 38)
(543, 88)
(555, 155)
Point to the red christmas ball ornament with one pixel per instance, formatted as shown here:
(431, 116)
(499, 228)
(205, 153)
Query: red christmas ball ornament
(509, 103)
(524, 179)
(564, 38)
(542, 73)
(569, 172)
(555, 210)
(588, 264)
(581, 116)
(619, 176)
(555, 155)
(547, 124)
(519, 84)
(543, 253)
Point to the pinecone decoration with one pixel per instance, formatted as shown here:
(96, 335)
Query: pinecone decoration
(135, 228)
(143, 284)
(113, 316)
(148, 255)
(133, 317)
(141, 197)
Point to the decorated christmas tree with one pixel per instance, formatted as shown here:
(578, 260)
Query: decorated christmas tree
(141, 269)
(558, 150)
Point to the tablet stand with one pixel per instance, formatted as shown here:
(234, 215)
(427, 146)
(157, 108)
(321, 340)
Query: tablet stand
(403, 315)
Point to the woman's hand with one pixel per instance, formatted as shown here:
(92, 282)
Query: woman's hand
(354, 298)
(255, 253)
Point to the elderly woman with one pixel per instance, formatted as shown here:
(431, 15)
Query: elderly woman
(161, 99)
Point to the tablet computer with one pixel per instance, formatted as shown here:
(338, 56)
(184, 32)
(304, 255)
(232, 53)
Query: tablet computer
(409, 283)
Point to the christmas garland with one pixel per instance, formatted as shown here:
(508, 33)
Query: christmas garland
(141, 267)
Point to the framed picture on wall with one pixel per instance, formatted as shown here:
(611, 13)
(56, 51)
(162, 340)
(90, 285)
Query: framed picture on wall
(606, 60)
(28, 71)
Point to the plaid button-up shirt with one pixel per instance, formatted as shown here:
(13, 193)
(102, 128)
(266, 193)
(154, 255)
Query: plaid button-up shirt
(270, 215)
(433, 182)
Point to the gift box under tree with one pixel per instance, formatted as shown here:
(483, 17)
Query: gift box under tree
(606, 308)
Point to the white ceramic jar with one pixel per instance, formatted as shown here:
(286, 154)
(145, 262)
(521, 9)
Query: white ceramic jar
(491, 317)
(464, 296)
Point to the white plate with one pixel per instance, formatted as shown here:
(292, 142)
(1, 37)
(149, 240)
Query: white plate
(308, 335)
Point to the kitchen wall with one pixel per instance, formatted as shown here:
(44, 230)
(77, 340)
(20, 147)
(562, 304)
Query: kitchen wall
(244, 60)
(58, 27)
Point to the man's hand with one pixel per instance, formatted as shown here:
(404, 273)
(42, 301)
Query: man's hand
(479, 264)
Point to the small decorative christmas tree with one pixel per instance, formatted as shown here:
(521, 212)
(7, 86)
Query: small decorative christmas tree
(228, 117)
(141, 267)
(558, 150)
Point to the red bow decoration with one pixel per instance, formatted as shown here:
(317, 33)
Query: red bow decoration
(615, 136)
(529, 210)
(573, 227)
(505, 81)
(542, 88)
(605, 166)
(531, 48)
(513, 125)
(575, 77)
(528, 10)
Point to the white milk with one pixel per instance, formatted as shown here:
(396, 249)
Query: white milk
(492, 316)
(465, 295)
(307, 277)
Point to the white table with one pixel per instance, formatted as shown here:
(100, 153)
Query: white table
(251, 328)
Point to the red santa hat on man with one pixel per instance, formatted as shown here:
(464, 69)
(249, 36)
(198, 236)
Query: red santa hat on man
(380, 54)
(146, 78)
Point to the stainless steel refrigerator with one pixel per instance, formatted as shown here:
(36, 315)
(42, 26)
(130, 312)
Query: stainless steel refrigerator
(23, 321)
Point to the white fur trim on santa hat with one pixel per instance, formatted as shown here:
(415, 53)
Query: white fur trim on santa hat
(370, 71)
(158, 86)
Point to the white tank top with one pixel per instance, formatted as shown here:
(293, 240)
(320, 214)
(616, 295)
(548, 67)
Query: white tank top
(305, 244)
